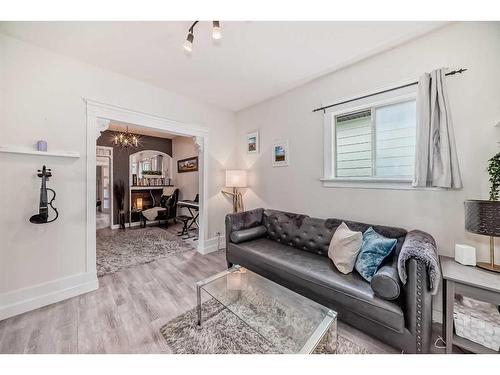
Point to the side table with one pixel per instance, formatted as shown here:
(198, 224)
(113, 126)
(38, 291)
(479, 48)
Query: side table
(471, 282)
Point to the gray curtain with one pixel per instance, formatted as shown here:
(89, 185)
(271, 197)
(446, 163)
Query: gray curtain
(436, 162)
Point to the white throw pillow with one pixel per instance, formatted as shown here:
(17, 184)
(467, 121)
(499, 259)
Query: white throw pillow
(344, 248)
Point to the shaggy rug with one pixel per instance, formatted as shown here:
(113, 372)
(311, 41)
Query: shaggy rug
(223, 333)
(119, 249)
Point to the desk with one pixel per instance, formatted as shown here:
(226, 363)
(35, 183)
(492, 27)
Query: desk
(472, 282)
(191, 206)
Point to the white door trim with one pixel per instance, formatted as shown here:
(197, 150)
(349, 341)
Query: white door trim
(111, 197)
(98, 117)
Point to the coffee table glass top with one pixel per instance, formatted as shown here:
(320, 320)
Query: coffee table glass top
(289, 321)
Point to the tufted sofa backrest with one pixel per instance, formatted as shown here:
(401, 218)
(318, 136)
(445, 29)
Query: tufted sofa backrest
(314, 235)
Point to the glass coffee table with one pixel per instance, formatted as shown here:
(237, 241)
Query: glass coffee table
(288, 321)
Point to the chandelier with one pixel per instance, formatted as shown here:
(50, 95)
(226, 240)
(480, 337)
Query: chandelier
(125, 139)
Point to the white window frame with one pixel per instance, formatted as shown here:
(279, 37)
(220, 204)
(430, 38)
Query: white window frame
(329, 179)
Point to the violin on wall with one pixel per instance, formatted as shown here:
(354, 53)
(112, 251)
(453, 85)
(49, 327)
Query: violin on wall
(43, 212)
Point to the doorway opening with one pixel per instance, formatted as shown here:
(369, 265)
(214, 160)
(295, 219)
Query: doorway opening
(143, 181)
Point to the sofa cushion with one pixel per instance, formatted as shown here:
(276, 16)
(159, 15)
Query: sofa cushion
(386, 283)
(242, 235)
(375, 249)
(344, 248)
(303, 271)
(390, 232)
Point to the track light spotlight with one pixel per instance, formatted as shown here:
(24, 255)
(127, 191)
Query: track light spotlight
(188, 44)
(216, 34)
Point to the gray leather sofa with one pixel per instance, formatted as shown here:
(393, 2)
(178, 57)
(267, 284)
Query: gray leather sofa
(292, 250)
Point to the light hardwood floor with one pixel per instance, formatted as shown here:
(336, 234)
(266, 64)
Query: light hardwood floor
(125, 314)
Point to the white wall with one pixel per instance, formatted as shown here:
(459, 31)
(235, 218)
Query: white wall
(475, 101)
(182, 148)
(41, 97)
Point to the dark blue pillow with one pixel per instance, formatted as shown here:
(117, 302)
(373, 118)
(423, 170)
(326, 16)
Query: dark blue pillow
(374, 250)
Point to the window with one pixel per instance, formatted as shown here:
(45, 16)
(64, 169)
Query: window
(373, 143)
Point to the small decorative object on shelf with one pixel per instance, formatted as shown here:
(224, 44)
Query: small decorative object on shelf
(152, 173)
(465, 254)
(41, 146)
(43, 211)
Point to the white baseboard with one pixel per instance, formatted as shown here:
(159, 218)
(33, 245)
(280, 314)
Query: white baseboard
(212, 243)
(27, 299)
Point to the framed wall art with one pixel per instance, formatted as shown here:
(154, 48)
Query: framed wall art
(187, 165)
(281, 154)
(252, 143)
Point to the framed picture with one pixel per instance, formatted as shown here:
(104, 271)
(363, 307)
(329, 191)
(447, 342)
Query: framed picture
(253, 143)
(187, 165)
(281, 154)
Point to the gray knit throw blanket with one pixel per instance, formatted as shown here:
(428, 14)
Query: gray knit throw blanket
(421, 246)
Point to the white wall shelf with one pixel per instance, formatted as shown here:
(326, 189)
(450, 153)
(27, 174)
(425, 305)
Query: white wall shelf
(30, 151)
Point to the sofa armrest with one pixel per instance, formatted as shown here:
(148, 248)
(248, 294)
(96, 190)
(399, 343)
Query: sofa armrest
(418, 305)
(242, 220)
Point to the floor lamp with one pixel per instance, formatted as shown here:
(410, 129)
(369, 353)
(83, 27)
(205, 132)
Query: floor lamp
(236, 178)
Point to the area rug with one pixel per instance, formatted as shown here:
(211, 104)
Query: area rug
(119, 249)
(223, 333)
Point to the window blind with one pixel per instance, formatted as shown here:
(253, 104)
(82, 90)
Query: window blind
(376, 142)
(354, 145)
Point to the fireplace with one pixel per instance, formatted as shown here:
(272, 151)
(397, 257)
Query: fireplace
(141, 200)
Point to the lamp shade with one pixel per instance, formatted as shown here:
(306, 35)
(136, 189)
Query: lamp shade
(483, 217)
(236, 178)
(139, 203)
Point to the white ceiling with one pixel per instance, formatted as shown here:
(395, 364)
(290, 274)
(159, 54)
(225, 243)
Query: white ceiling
(254, 60)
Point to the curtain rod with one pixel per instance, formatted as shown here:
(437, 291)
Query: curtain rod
(461, 70)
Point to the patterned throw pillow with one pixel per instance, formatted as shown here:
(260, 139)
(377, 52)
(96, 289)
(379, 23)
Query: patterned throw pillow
(344, 248)
(374, 250)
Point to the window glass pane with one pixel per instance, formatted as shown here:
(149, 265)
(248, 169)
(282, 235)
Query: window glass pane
(395, 140)
(353, 137)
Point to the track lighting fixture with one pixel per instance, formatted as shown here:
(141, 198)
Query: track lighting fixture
(216, 34)
(188, 44)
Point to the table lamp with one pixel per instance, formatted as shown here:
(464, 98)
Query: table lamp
(138, 203)
(483, 217)
(236, 178)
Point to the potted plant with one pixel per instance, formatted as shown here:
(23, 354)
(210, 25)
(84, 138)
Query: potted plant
(119, 193)
(494, 172)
